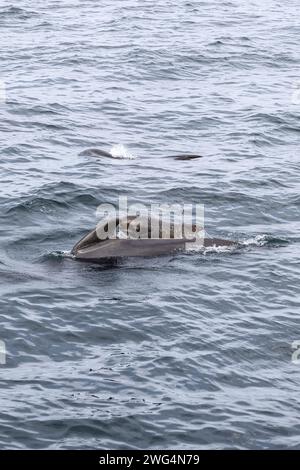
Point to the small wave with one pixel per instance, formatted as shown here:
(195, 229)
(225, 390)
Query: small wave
(56, 256)
(120, 151)
(220, 249)
(255, 241)
(37, 204)
(258, 240)
(264, 240)
(194, 248)
(17, 12)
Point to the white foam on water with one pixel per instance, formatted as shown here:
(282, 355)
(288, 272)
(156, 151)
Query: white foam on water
(121, 152)
(200, 248)
(64, 254)
(219, 249)
(259, 240)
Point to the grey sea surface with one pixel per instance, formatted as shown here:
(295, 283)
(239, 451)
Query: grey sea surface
(192, 351)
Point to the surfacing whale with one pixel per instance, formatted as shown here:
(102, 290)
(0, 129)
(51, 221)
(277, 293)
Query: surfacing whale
(185, 157)
(94, 152)
(93, 249)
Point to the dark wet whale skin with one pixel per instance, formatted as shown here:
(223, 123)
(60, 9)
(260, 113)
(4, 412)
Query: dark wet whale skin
(95, 152)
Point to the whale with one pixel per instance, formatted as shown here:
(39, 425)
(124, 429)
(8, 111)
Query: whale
(95, 249)
(185, 157)
(95, 152)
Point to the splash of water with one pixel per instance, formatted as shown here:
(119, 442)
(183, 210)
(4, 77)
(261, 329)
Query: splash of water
(258, 240)
(200, 248)
(120, 151)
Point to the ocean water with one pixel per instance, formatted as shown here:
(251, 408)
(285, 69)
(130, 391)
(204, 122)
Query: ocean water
(190, 351)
